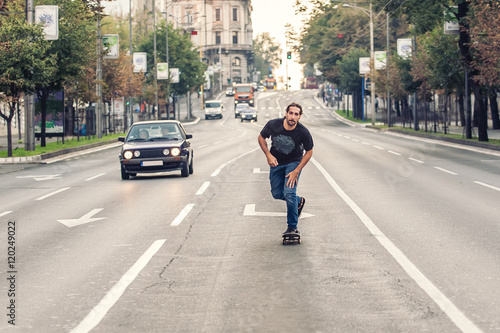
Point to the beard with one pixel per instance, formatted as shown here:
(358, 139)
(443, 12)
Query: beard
(291, 122)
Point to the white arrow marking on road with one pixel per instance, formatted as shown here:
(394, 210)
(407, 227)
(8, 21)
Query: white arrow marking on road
(42, 177)
(250, 211)
(87, 218)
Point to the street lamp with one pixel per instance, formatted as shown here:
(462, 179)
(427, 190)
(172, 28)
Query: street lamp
(369, 12)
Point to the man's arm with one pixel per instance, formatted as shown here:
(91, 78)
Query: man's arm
(292, 176)
(271, 160)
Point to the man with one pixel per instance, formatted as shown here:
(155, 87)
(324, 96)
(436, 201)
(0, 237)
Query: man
(289, 139)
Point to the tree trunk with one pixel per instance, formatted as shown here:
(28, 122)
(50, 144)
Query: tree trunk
(482, 115)
(494, 110)
(461, 107)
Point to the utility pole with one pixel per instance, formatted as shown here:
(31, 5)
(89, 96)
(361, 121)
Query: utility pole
(98, 108)
(29, 100)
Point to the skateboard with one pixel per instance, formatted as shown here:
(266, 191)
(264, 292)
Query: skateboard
(291, 238)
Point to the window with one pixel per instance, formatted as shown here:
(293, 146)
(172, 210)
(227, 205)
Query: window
(235, 37)
(217, 15)
(235, 14)
(217, 37)
(236, 62)
(216, 60)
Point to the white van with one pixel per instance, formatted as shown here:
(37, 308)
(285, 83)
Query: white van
(213, 109)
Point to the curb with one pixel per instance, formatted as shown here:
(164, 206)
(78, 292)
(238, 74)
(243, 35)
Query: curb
(39, 159)
(453, 140)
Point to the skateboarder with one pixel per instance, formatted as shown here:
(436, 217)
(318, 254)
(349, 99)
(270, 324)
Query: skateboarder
(289, 140)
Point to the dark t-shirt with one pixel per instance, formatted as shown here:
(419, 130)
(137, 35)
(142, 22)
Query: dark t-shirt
(287, 146)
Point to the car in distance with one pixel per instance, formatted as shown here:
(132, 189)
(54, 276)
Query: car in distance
(229, 91)
(213, 109)
(156, 146)
(248, 114)
(238, 108)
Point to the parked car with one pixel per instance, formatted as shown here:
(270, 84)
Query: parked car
(238, 108)
(229, 91)
(248, 114)
(213, 109)
(156, 146)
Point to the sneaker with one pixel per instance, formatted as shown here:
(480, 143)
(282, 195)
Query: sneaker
(291, 231)
(301, 204)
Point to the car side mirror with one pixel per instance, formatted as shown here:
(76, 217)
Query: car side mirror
(189, 136)
(121, 138)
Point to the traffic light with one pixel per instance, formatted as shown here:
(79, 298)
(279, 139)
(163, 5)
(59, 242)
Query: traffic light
(281, 62)
(289, 55)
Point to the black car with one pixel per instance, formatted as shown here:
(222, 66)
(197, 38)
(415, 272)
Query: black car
(248, 114)
(156, 146)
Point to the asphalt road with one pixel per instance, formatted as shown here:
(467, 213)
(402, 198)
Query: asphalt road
(399, 235)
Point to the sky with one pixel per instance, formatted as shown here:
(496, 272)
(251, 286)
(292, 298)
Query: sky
(267, 16)
(271, 16)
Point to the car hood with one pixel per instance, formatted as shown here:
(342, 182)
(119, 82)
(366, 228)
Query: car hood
(152, 144)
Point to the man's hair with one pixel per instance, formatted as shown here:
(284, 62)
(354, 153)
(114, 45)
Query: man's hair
(297, 105)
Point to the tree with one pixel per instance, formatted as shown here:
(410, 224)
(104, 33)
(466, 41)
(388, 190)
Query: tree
(74, 48)
(25, 62)
(267, 53)
(182, 55)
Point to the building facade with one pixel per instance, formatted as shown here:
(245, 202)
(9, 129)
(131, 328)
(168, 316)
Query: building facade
(222, 29)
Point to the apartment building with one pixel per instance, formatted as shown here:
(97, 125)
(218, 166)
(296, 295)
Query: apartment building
(223, 31)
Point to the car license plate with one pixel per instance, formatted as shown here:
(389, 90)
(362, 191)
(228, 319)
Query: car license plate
(151, 163)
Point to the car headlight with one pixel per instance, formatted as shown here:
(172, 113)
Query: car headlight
(127, 154)
(166, 152)
(251, 101)
(175, 151)
(137, 153)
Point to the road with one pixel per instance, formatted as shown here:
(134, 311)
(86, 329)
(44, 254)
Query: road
(399, 235)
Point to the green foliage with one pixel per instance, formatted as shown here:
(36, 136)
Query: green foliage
(25, 58)
(181, 54)
(348, 74)
(267, 53)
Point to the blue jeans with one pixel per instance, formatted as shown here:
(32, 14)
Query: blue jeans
(281, 191)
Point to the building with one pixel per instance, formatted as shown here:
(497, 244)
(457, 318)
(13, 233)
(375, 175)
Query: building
(223, 31)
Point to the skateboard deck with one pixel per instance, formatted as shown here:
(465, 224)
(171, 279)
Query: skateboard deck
(291, 238)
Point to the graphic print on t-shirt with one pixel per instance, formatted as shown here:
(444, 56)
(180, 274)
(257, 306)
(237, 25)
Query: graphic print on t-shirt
(284, 144)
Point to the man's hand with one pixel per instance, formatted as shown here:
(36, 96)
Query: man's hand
(271, 160)
(292, 178)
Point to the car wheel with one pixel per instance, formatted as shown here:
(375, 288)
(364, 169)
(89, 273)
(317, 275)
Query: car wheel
(185, 170)
(191, 166)
(241, 119)
(125, 175)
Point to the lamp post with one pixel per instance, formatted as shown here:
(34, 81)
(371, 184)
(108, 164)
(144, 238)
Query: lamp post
(368, 12)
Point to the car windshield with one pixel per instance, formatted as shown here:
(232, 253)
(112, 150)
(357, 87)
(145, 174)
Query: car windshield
(248, 110)
(243, 89)
(241, 106)
(154, 132)
(212, 105)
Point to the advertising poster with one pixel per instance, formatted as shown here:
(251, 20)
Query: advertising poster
(162, 71)
(380, 59)
(404, 47)
(140, 62)
(110, 44)
(49, 16)
(174, 73)
(364, 65)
